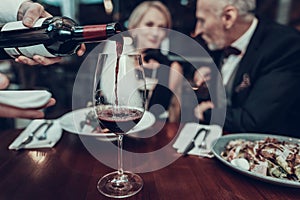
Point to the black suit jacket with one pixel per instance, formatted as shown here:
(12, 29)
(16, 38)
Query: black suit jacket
(270, 102)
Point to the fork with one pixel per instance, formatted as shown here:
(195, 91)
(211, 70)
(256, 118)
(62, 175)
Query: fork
(203, 143)
(29, 138)
(44, 135)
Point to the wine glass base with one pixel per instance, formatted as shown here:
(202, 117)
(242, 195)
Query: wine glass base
(120, 186)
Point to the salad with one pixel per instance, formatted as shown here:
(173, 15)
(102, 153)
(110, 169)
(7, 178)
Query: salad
(268, 157)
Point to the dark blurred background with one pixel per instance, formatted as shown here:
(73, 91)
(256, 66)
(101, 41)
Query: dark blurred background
(59, 78)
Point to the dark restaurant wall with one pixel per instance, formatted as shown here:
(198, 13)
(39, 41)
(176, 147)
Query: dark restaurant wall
(182, 11)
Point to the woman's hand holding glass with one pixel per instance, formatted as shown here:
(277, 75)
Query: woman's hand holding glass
(201, 76)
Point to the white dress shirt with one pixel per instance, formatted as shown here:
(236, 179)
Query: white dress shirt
(9, 10)
(231, 63)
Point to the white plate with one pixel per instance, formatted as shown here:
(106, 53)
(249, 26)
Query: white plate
(219, 147)
(71, 123)
(25, 98)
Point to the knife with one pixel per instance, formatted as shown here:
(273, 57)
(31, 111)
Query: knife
(29, 138)
(191, 145)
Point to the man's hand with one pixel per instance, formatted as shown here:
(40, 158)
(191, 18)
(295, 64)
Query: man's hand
(12, 112)
(29, 13)
(4, 81)
(32, 113)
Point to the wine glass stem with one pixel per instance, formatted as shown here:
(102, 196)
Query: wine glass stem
(120, 154)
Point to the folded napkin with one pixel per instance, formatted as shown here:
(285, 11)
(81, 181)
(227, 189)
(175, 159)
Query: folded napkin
(53, 135)
(25, 98)
(189, 131)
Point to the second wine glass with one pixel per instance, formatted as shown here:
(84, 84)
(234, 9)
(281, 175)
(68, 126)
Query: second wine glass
(119, 105)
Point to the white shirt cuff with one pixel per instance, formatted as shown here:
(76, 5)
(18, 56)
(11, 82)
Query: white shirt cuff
(9, 10)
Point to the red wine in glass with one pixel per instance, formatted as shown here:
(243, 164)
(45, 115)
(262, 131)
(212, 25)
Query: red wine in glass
(119, 120)
(119, 50)
(119, 110)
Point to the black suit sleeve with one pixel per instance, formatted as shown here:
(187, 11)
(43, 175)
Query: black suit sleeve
(3, 55)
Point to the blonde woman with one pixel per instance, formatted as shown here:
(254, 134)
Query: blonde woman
(148, 25)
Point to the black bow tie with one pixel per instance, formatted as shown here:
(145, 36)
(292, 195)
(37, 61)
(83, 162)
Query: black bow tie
(230, 51)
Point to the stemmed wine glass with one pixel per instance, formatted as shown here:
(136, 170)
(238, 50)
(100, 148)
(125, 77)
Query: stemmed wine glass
(119, 106)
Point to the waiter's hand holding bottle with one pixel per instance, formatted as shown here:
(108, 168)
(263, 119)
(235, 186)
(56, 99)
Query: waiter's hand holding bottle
(29, 13)
(39, 38)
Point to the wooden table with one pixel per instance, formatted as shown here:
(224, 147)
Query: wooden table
(69, 171)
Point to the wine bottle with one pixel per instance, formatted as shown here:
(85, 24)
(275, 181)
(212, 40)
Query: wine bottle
(51, 37)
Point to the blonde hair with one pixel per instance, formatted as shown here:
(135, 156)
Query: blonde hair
(139, 12)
